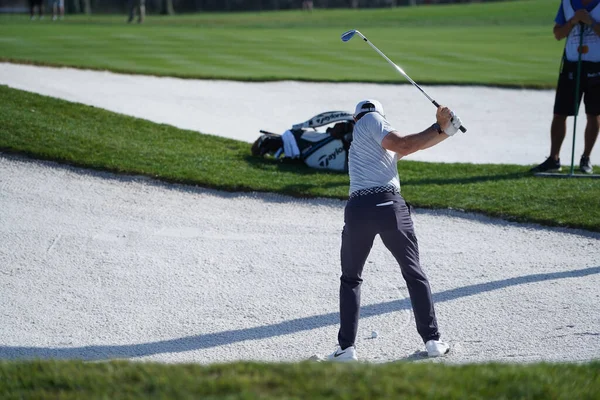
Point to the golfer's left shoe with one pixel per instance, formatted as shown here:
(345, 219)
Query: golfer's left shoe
(436, 348)
(346, 355)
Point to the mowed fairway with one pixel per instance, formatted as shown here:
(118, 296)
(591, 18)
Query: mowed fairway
(505, 43)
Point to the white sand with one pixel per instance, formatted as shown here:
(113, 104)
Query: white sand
(97, 266)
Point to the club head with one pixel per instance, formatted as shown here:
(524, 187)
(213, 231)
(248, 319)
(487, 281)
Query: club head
(348, 35)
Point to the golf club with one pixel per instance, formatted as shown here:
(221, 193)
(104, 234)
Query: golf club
(346, 36)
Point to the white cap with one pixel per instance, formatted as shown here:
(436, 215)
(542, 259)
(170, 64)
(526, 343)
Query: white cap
(368, 106)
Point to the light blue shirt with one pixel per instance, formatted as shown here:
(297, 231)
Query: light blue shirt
(369, 164)
(560, 16)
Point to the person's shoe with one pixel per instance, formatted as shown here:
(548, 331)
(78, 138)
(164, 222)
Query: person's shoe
(346, 355)
(585, 165)
(550, 165)
(436, 348)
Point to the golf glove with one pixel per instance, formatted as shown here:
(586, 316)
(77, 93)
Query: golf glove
(454, 125)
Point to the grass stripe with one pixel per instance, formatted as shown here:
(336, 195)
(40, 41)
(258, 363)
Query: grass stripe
(505, 43)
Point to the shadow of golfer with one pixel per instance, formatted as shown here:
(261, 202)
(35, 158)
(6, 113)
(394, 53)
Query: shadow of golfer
(197, 342)
(464, 180)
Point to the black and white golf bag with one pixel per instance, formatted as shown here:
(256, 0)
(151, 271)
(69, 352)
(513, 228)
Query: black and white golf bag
(322, 150)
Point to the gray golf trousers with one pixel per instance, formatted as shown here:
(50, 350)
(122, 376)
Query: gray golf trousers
(363, 220)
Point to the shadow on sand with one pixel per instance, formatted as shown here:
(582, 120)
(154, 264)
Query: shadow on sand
(190, 343)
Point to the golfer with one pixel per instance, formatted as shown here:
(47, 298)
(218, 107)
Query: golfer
(376, 207)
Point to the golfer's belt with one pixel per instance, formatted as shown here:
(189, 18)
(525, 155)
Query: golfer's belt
(375, 190)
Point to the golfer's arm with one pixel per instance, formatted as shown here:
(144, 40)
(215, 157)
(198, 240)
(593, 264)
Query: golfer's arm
(596, 27)
(562, 31)
(408, 144)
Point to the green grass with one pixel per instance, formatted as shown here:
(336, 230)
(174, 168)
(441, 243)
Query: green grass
(126, 380)
(52, 129)
(502, 43)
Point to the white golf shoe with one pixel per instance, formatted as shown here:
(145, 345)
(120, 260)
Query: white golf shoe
(436, 348)
(346, 355)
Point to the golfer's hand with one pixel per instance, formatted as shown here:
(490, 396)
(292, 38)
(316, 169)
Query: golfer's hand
(449, 121)
(583, 16)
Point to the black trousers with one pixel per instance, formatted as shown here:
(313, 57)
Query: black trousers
(388, 215)
(589, 88)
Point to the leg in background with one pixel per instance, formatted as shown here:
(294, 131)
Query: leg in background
(558, 131)
(591, 133)
(142, 11)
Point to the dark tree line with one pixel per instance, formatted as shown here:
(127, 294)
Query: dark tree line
(260, 5)
(120, 6)
(188, 6)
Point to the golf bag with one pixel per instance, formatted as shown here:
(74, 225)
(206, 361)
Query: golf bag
(322, 150)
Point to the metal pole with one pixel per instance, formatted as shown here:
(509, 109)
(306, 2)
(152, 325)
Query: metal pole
(577, 79)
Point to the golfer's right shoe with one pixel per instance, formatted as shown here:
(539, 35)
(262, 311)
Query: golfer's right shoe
(550, 165)
(585, 165)
(346, 355)
(436, 348)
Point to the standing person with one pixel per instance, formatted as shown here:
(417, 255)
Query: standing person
(307, 5)
(140, 7)
(574, 16)
(375, 206)
(32, 6)
(58, 9)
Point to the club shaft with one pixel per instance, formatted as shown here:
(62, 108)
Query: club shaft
(401, 71)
